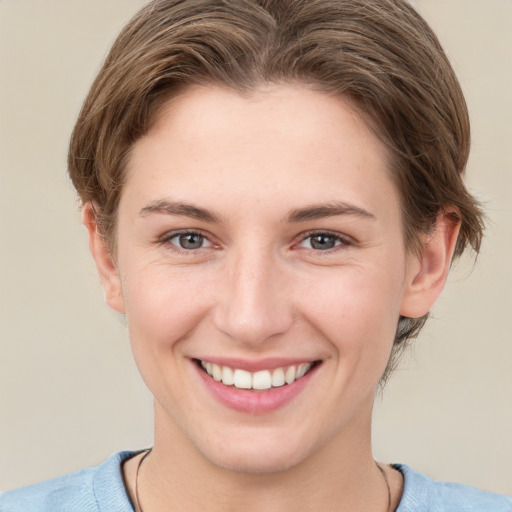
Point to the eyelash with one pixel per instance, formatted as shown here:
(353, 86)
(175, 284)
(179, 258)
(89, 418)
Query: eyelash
(340, 241)
(168, 237)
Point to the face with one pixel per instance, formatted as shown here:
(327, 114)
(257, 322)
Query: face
(262, 269)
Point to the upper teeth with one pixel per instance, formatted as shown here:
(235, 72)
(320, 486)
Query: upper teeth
(264, 379)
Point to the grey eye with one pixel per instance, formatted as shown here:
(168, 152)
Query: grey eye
(321, 242)
(189, 241)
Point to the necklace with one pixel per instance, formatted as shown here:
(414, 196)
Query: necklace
(137, 501)
(139, 508)
(383, 473)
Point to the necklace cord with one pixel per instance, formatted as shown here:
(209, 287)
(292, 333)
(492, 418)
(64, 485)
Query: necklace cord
(143, 458)
(383, 473)
(137, 500)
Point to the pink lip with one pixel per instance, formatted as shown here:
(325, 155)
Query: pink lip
(254, 402)
(270, 363)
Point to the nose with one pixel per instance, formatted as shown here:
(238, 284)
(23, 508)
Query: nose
(254, 304)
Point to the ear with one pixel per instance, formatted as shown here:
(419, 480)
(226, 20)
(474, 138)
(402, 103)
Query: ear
(107, 269)
(428, 272)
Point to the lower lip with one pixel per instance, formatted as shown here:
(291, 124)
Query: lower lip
(255, 402)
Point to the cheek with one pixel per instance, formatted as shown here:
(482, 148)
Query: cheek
(163, 304)
(164, 307)
(356, 309)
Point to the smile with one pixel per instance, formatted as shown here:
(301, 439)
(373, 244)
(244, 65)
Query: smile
(260, 380)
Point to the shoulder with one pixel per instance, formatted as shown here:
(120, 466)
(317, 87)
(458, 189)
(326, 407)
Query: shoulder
(71, 492)
(421, 493)
(95, 489)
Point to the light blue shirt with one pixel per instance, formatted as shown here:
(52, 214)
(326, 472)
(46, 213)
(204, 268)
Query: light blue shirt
(101, 489)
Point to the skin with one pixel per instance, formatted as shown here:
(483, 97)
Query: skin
(258, 288)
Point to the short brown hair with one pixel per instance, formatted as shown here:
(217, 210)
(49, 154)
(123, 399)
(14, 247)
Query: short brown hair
(380, 53)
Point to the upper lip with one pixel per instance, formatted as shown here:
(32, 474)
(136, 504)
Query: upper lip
(254, 365)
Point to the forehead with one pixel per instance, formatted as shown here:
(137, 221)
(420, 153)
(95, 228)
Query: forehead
(278, 143)
(264, 116)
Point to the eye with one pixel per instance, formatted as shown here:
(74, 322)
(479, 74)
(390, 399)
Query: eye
(323, 241)
(189, 241)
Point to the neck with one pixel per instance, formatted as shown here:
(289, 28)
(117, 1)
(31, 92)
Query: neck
(341, 476)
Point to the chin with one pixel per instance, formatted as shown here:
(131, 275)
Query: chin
(252, 464)
(246, 457)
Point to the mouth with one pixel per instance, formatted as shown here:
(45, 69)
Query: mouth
(262, 380)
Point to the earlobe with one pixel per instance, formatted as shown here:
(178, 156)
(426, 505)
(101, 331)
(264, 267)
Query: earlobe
(101, 253)
(427, 276)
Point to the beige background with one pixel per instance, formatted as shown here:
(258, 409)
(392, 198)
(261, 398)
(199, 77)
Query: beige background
(69, 392)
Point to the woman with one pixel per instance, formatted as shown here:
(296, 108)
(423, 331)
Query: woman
(273, 196)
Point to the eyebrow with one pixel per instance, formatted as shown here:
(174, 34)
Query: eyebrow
(178, 208)
(330, 209)
(312, 212)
